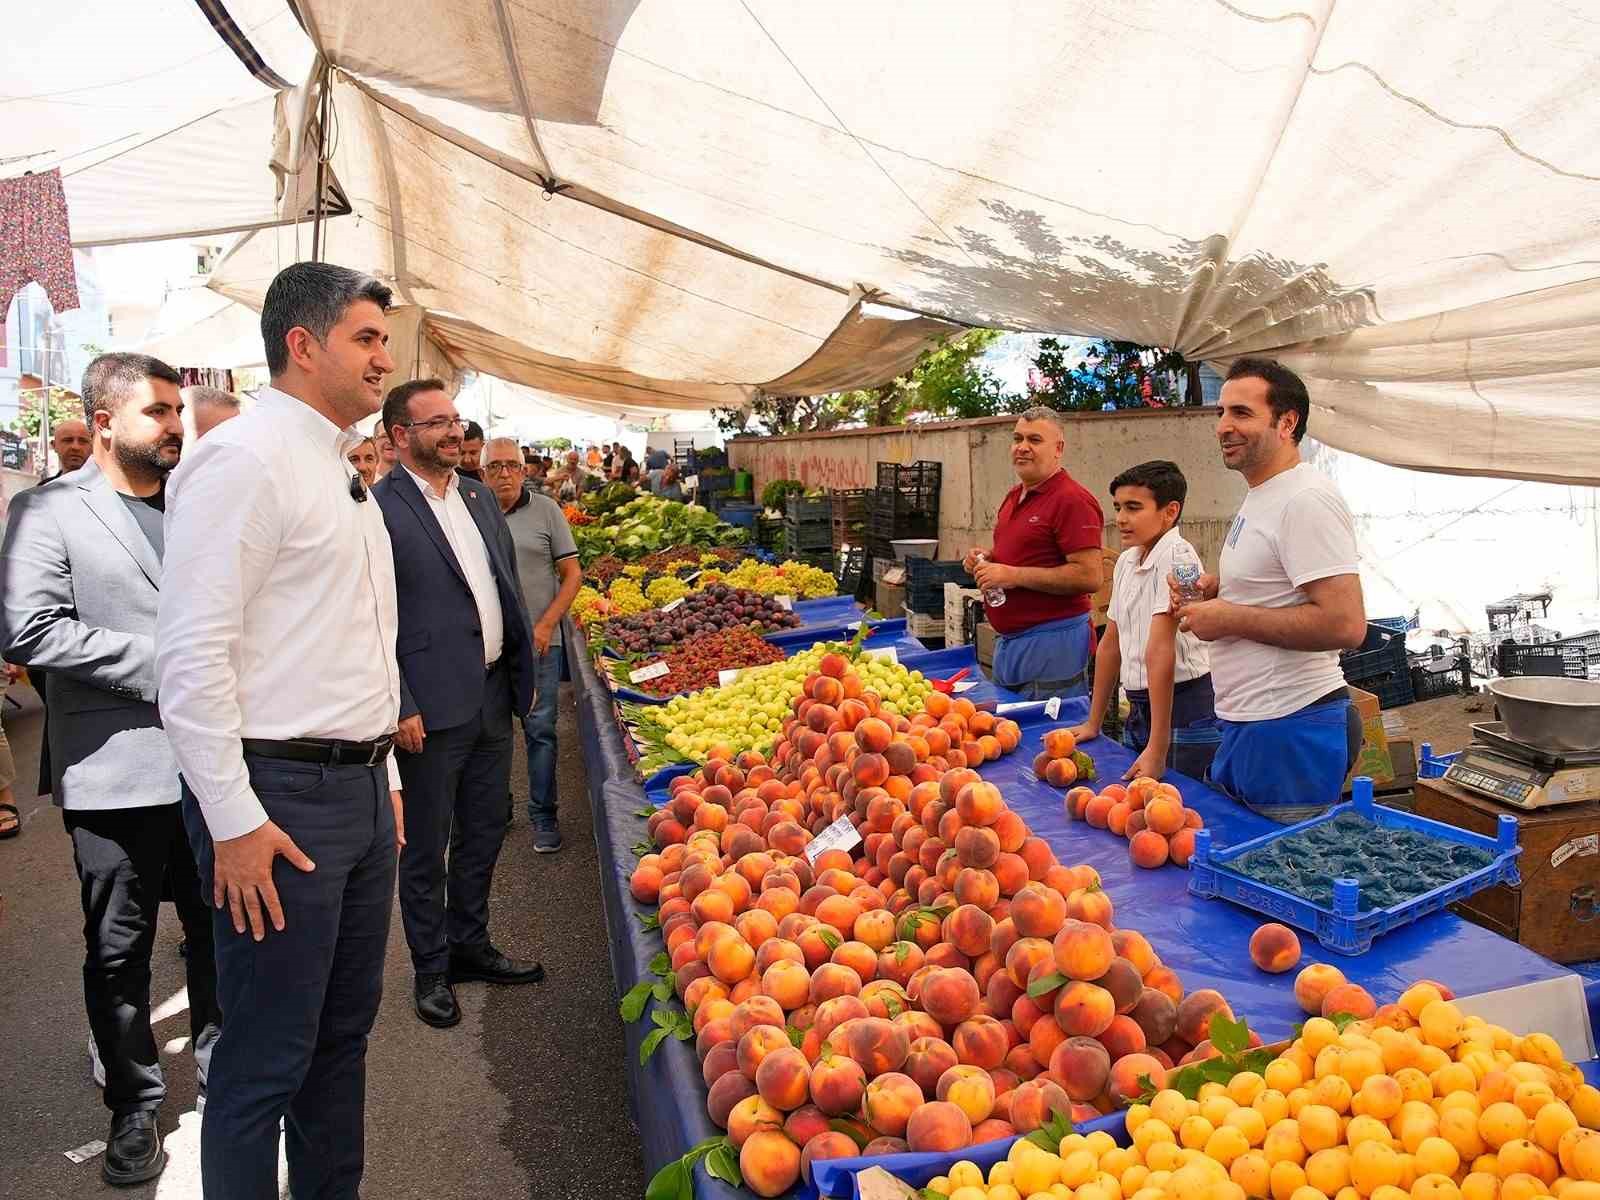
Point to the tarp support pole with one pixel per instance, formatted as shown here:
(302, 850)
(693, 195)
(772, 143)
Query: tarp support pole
(323, 103)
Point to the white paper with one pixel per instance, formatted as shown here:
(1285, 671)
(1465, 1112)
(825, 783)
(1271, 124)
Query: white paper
(727, 676)
(785, 602)
(1016, 706)
(882, 652)
(1580, 846)
(692, 483)
(672, 604)
(1052, 707)
(1554, 1006)
(654, 671)
(841, 835)
(966, 685)
(83, 1153)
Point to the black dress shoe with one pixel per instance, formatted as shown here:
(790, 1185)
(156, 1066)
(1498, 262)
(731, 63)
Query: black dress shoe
(435, 1002)
(488, 965)
(133, 1150)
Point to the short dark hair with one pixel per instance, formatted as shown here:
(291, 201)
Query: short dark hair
(397, 404)
(1164, 480)
(313, 296)
(110, 379)
(1286, 392)
(471, 431)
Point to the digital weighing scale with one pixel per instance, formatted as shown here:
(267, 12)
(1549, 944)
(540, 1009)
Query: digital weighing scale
(1524, 776)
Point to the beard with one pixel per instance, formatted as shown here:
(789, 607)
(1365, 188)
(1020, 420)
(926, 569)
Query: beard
(147, 458)
(430, 458)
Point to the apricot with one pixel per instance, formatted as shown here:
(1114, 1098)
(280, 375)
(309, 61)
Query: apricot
(1275, 948)
(769, 1162)
(939, 1125)
(1148, 849)
(890, 1101)
(950, 995)
(1082, 1065)
(1313, 984)
(1083, 951)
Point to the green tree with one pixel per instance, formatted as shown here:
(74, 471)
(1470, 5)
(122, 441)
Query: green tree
(1128, 374)
(64, 406)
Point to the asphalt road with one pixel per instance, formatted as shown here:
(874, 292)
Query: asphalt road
(526, 1097)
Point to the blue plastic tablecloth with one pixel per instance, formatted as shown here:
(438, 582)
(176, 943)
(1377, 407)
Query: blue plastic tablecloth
(1205, 941)
(830, 610)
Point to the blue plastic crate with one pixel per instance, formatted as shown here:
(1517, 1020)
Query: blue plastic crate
(1431, 765)
(1345, 928)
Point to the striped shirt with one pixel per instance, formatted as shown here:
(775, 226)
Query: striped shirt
(1138, 592)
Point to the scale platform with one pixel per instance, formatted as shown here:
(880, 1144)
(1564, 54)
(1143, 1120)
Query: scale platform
(1524, 776)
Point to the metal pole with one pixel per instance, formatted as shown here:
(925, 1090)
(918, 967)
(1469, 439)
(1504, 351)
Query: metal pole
(322, 163)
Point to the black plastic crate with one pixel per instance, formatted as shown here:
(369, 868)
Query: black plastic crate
(848, 516)
(1565, 659)
(922, 475)
(1448, 675)
(896, 504)
(808, 509)
(925, 580)
(1380, 666)
(807, 537)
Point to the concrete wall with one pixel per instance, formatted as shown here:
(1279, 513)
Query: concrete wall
(977, 466)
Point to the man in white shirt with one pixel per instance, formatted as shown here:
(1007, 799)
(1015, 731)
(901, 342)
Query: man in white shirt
(465, 649)
(1289, 599)
(275, 659)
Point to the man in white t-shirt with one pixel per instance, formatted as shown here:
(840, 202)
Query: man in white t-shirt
(1288, 601)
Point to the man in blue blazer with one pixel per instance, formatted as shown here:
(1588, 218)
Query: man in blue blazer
(465, 653)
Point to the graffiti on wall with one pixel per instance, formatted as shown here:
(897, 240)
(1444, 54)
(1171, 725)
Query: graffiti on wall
(815, 468)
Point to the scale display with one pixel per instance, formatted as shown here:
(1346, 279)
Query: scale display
(1521, 784)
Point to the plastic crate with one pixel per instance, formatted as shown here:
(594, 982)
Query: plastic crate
(1397, 624)
(1379, 665)
(851, 568)
(1345, 928)
(807, 536)
(1442, 676)
(742, 515)
(1569, 660)
(925, 580)
(808, 509)
(922, 475)
(1431, 765)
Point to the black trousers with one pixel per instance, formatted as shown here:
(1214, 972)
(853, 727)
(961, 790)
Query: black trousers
(457, 795)
(127, 859)
(298, 1005)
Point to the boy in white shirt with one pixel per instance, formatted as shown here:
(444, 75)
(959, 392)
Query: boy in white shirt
(1166, 672)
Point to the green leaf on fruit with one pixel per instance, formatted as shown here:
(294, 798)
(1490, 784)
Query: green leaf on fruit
(1229, 1037)
(634, 1000)
(853, 1130)
(902, 951)
(797, 1037)
(829, 938)
(648, 1047)
(648, 921)
(1147, 1090)
(1048, 1136)
(1045, 983)
(929, 1194)
(1343, 1020)
(646, 811)
(661, 964)
(722, 1162)
(892, 1005)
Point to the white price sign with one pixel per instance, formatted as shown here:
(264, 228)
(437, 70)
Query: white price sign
(654, 671)
(785, 602)
(672, 604)
(724, 678)
(1052, 707)
(841, 835)
(692, 482)
(966, 685)
(887, 653)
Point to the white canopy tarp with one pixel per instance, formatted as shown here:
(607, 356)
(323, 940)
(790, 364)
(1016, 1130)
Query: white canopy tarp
(1401, 200)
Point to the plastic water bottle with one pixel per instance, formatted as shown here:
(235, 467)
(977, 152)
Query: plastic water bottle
(1186, 570)
(994, 597)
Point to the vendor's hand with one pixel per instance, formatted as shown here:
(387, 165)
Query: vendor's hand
(1209, 585)
(993, 574)
(1206, 619)
(398, 804)
(13, 672)
(1085, 732)
(542, 632)
(1153, 762)
(242, 876)
(969, 560)
(409, 735)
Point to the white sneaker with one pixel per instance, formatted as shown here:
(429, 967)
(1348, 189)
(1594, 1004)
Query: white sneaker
(96, 1067)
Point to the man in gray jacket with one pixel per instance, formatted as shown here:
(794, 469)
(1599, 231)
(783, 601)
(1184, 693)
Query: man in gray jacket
(79, 578)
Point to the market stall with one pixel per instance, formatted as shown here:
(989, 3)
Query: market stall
(1205, 942)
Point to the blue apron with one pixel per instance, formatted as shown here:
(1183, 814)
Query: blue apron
(1051, 659)
(1291, 768)
(1195, 736)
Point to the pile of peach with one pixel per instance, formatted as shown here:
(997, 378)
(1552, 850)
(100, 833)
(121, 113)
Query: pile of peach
(892, 988)
(1151, 815)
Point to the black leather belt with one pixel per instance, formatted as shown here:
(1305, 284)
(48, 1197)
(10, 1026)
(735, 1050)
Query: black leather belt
(328, 751)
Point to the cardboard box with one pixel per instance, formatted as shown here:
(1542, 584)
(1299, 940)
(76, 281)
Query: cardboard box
(1102, 598)
(1373, 759)
(955, 612)
(890, 598)
(984, 640)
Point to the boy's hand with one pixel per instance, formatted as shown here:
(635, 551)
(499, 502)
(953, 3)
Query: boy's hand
(1085, 732)
(1152, 763)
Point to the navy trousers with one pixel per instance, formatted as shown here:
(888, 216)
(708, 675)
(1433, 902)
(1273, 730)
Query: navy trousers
(457, 796)
(297, 1006)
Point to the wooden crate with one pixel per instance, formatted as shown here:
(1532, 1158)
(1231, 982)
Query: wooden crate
(1554, 910)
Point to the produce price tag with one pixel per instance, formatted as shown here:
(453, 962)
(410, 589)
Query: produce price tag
(841, 835)
(886, 653)
(1052, 707)
(692, 483)
(670, 605)
(785, 602)
(654, 671)
(724, 678)
(966, 685)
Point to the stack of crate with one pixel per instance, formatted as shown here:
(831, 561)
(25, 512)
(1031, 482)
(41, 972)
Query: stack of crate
(808, 532)
(849, 516)
(905, 504)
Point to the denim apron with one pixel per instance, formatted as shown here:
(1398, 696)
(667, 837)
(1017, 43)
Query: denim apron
(1290, 768)
(1051, 659)
(1195, 736)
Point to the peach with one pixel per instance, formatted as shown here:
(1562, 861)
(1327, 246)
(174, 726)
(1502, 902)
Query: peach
(757, 1010)
(1164, 815)
(830, 1144)
(968, 929)
(1043, 1039)
(1164, 979)
(1180, 847)
(1012, 831)
(1349, 998)
(879, 1146)
(1090, 904)
(950, 995)
(1036, 852)
(769, 1162)
(784, 1079)
(1024, 1012)
(1044, 983)
(831, 980)
(1124, 983)
(1122, 1037)
(928, 1059)
(1157, 1014)
(976, 846)
(945, 954)
(1083, 1009)
(890, 1101)
(1003, 937)
(789, 983)
(1148, 849)
(977, 886)
(918, 1024)
(859, 957)
(992, 1130)
(884, 998)
(1033, 1103)
(831, 1014)
(873, 735)
(980, 803)
(1037, 911)
(898, 961)
(1024, 955)
(804, 1123)
(1126, 1073)
(1275, 948)
(750, 1116)
(1195, 1013)
(1021, 1063)
(1082, 1065)
(1097, 812)
(718, 1061)
(755, 1046)
(1001, 993)
(1059, 743)
(1010, 874)
(1313, 984)
(1083, 951)
(726, 1092)
(981, 1041)
(837, 1084)
(876, 1043)
(938, 1126)
(970, 1089)
(1135, 947)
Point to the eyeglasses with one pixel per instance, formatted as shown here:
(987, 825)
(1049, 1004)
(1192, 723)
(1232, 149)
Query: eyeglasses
(503, 468)
(436, 424)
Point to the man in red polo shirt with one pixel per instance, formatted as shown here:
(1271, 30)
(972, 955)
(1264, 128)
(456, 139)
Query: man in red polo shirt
(1047, 559)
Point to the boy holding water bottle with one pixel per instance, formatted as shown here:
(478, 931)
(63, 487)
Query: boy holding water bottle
(1166, 672)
